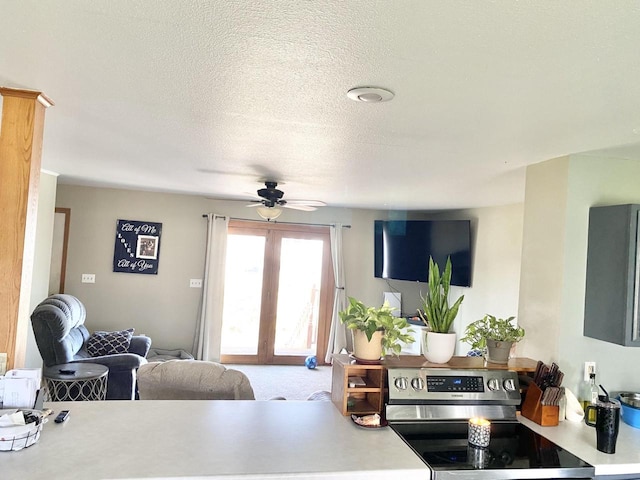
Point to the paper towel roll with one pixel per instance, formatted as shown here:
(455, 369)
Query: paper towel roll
(574, 409)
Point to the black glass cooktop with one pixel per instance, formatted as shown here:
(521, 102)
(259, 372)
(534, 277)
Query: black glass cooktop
(513, 448)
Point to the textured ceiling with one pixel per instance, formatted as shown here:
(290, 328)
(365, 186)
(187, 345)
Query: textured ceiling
(212, 97)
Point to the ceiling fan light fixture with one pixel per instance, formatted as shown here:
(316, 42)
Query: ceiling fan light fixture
(269, 213)
(370, 94)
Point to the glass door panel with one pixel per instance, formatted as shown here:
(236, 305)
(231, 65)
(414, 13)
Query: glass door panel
(278, 293)
(298, 296)
(242, 294)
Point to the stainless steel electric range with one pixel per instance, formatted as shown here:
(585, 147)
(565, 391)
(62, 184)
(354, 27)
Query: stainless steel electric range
(430, 408)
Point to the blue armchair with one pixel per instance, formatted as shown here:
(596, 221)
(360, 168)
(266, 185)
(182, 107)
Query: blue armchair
(58, 326)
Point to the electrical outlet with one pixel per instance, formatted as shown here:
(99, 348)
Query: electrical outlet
(589, 368)
(88, 278)
(195, 283)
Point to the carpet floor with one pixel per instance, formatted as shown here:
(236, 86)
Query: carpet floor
(293, 382)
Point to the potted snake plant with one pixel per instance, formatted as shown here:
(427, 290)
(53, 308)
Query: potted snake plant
(438, 344)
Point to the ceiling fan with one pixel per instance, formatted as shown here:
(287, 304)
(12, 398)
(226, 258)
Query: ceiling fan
(271, 199)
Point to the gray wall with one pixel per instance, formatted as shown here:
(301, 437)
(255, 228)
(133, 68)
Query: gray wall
(165, 308)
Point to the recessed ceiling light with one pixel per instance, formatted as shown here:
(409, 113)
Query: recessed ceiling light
(369, 94)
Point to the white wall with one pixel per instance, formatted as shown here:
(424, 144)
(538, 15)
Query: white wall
(554, 271)
(543, 257)
(165, 308)
(42, 258)
(497, 249)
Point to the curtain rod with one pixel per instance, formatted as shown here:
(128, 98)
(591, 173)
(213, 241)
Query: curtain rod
(204, 215)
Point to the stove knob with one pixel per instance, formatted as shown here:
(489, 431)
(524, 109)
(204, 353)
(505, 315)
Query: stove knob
(417, 383)
(493, 384)
(401, 383)
(509, 385)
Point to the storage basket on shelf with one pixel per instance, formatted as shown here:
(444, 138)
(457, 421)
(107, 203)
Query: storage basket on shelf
(17, 437)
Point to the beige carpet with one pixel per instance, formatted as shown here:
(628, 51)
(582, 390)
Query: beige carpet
(292, 382)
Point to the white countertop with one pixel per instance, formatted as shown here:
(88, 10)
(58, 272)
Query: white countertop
(249, 440)
(580, 439)
(210, 439)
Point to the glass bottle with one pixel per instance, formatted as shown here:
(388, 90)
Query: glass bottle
(590, 396)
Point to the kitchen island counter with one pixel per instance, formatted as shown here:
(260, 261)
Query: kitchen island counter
(580, 439)
(210, 439)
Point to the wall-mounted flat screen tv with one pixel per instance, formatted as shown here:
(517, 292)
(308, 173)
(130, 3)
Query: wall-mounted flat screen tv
(403, 247)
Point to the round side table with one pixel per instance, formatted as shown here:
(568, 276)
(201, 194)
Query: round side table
(76, 381)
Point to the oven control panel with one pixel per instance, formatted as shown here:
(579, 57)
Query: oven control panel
(453, 385)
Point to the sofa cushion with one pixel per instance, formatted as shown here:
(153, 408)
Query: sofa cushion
(109, 343)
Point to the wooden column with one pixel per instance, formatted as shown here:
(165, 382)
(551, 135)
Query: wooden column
(21, 130)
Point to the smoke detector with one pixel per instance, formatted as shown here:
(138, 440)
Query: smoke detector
(370, 94)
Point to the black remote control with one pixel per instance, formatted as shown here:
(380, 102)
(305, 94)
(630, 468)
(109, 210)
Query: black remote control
(62, 416)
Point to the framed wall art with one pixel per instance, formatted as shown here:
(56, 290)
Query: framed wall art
(137, 247)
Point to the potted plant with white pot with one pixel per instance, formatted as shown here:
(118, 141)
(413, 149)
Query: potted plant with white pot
(376, 331)
(494, 335)
(438, 344)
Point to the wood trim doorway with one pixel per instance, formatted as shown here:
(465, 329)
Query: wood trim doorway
(274, 290)
(59, 248)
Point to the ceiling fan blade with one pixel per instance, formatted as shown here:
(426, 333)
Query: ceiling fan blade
(257, 203)
(309, 203)
(306, 208)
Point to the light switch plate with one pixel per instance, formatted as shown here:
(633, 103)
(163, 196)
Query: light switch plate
(195, 283)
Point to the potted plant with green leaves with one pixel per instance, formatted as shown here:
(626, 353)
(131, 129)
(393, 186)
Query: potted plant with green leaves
(438, 344)
(493, 335)
(376, 331)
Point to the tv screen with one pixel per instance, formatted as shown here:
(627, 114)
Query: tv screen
(403, 248)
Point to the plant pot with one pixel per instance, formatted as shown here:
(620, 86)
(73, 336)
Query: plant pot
(364, 349)
(438, 347)
(498, 352)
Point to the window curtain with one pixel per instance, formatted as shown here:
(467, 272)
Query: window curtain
(337, 333)
(206, 345)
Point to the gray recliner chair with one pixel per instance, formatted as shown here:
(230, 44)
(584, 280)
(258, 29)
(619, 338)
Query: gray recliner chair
(58, 326)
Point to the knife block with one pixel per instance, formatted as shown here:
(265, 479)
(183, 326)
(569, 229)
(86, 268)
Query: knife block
(545, 415)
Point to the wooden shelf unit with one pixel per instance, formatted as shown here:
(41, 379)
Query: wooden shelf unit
(370, 398)
(361, 400)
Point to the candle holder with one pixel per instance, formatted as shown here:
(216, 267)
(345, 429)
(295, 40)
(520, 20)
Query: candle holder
(478, 457)
(479, 432)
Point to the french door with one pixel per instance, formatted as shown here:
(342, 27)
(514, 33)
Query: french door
(278, 293)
